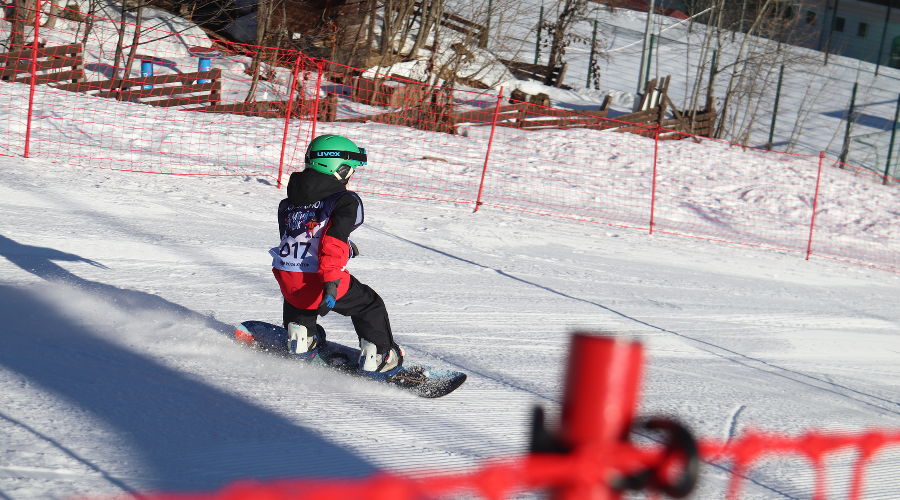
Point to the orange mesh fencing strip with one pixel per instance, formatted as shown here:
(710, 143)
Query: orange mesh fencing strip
(501, 479)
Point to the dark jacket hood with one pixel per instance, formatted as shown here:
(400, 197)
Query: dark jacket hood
(310, 186)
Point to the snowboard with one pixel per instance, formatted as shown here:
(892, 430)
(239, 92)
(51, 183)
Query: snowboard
(422, 380)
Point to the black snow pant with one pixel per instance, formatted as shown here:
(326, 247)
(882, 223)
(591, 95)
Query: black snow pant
(365, 308)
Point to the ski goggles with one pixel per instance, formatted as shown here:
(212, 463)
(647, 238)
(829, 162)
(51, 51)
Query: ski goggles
(344, 155)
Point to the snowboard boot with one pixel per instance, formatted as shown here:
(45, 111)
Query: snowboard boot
(381, 366)
(301, 342)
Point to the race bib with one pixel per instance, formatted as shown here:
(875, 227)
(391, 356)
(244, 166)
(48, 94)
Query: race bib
(299, 247)
(301, 233)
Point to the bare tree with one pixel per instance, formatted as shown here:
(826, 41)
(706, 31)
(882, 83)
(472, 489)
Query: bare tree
(430, 20)
(89, 18)
(744, 44)
(264, 11)
(23, 12)
(136, 36)
(561, 32)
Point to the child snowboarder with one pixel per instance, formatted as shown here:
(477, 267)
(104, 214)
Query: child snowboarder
(315, 222)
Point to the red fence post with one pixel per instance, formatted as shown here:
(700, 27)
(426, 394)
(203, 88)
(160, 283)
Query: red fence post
(34, 56)
(287, 118)
(815, 204)
(487, 154)
(601, 394)
(320, 66)
(653, 182)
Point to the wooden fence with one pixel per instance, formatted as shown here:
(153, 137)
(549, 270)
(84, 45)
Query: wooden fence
(472, 30)
(411, 104)
(525, 115)
(180, 89)
(653, 110)
(548, 75)
(54, 64)
(655, 105)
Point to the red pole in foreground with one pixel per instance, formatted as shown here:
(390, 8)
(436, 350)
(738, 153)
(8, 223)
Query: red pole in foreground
(602, 385)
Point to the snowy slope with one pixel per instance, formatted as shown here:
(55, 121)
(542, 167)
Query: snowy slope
(117, 290)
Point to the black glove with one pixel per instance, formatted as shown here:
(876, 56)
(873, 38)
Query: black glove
(354, 251)
(329, 297)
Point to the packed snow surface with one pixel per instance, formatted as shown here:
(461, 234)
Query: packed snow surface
(119, 290)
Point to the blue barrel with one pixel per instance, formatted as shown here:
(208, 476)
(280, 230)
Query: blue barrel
(203, 65)
(146, 70)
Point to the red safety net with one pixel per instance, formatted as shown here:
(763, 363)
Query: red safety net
(591, 453)
(154, 107)
(151, 107)
(593, 467)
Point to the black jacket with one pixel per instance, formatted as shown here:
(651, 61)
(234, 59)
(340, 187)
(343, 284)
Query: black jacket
(310, 186)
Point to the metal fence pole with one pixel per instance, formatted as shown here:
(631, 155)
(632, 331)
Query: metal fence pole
(815, 205)
(845, 149)
(830, 31)
(890, 152)
(590, 70)
(645, 60)
(887, 20)
(646, 76)
(490, 9)
(653, 181)
(775, 108)
(34, 58)
(540, 26)
(320, 66)
(487, 153)
(287, 117)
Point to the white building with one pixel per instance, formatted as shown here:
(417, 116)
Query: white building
(863, 29)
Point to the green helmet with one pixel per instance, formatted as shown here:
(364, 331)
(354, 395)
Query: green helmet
(335, 155)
